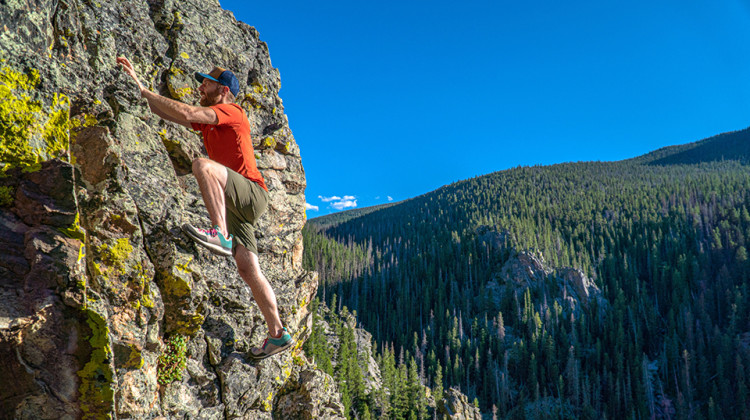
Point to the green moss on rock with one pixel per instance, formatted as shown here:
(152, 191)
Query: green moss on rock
(173, 360)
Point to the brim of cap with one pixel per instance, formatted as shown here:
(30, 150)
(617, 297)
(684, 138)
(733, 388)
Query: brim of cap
(200, 76)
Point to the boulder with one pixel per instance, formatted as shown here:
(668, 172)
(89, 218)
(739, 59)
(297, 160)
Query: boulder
(97, 281)
(456, 406)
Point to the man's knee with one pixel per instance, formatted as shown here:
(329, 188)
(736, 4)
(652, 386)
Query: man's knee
(207, 168)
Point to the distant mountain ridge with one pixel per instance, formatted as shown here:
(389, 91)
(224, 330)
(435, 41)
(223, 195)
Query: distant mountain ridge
(732, 145)
(345, 216)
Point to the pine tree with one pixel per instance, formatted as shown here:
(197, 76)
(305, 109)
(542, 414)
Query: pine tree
(417, 397)
(437, 390)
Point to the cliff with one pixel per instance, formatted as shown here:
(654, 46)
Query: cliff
(106, 308)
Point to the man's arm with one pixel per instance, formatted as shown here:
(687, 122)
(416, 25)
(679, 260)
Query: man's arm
(170, 109)
(177, 111)
(168, 118)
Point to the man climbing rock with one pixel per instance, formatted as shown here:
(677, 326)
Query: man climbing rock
(233, 189)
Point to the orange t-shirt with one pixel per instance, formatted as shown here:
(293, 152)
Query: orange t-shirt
(228, 142)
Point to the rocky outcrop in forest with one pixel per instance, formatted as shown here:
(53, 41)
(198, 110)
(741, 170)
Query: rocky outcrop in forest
(106, 308)
(523, 270)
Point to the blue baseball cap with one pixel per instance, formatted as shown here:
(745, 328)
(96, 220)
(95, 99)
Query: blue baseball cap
(224, 77)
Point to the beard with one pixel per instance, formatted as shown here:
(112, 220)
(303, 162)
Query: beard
(210, 98)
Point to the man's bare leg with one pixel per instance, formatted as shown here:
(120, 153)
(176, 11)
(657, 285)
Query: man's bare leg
(249, 268)
(212, 180)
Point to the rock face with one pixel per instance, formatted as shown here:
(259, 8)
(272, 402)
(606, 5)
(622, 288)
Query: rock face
(310, 395)
(457, 407)
(524, 270)
(362, 339)
(580, 288)
(106, 308)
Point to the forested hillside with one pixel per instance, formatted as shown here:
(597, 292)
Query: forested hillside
(734, 145)
(663, 330)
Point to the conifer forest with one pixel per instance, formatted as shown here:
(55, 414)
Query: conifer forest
(469, 286)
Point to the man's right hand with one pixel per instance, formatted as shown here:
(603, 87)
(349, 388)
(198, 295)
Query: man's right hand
(169, 108)
(127, 66)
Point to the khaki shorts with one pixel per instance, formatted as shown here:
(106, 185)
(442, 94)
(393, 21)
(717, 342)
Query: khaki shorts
(246, 201)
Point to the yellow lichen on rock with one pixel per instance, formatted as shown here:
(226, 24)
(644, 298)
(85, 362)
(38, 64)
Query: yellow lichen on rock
(258, 88)
(147, 299)
(177, 20)
(6, 196)
(267, 143)
(176, 286)
(179, 93)
(20, 116)
(184, 267)
(75, 231)
(78, 123)
(135, 359)
(97, 395)
(283, 148)
(268, 403)
(190, 325)
(114, 257)
(30, 132)
(170, 143)
(56, 131)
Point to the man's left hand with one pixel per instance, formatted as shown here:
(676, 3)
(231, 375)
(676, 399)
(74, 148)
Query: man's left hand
(127, 66)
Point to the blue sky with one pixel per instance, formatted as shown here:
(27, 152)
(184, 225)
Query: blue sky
(392, 99)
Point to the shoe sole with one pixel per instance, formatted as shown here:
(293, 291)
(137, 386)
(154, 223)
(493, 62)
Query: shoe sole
(277, 351)
(216, 249)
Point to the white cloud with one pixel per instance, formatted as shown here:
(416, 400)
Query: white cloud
(344, 204)
(338, 203)
(390, 198)
(328, 199)
(309, 206)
